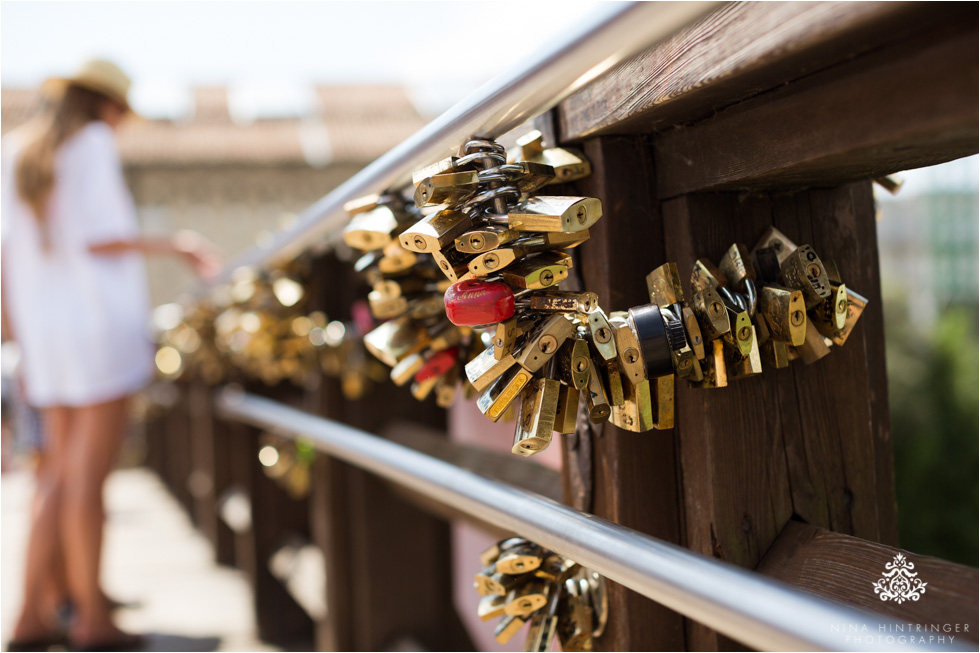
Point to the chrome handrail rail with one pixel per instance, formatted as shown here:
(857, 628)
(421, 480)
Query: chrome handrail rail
(755, 610)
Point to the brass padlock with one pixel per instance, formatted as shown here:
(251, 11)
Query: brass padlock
(520, 559)
(664, 286)
(804, 271)
(595, 397)
(435, 232)
(544, 342)
(777, 241)
(485, 239)
(566, 413)
(561, 301)
(446, 188)
(540, 271)
(553, 213)
(453, 264)
(785, 314)
(539, 404)
(736, 265)
(371, 230)
(636, 412)
(485, 368)
(395, 339)
(603, 334)
(573, 363)
(706, 275)
(568, 164)
(502, 393)
(711, 314)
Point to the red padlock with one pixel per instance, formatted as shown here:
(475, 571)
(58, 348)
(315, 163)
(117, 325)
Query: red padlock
(476, 303)
(440, 363)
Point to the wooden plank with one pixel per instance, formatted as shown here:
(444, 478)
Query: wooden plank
(179, 450)
(905, 107)
(328, 519)
(635, 476)
(201, 480)
(845, 569)
(277, 520)
(737, 52)
(736, 490)
(809, 440)
(846, 419)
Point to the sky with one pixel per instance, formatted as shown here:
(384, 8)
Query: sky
(271, 51)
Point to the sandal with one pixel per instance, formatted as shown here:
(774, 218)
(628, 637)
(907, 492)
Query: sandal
(128, 642)
(37, 644)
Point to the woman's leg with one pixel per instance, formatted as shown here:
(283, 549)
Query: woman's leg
(44, 543)
(96, 434)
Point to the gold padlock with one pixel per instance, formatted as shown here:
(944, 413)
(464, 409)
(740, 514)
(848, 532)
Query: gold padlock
(435, 232)
(544, 342)
(785, 314)
(664, 286)
(539, 404)
(554, 213)
(485, 239)
(636, 412)
(504, 391)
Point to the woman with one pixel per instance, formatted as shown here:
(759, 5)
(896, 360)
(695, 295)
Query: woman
(76, 301)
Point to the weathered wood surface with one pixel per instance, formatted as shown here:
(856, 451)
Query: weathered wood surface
(845, 569)
(811, 440)
(903, 107)
(635, 477)
(740, 51)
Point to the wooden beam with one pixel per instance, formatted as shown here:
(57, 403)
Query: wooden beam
(811, 440)
(635, 475)
(904, 107)
(737, 52)
(845, 569)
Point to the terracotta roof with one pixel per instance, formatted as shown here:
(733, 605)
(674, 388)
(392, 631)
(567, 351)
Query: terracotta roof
(350, 124)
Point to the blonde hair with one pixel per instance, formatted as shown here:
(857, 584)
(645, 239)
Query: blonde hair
(35, 173)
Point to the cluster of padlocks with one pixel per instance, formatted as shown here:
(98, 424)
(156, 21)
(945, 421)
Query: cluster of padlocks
(524, 583)
(257, 328)
(464, 271)
(773, 304)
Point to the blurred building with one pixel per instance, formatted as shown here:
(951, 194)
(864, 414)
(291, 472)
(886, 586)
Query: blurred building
(233, 180)
(928, 240)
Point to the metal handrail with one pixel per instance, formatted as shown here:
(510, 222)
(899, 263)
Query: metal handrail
(746, 606)
(614, 33)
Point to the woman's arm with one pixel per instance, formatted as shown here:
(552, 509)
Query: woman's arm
(191, 246)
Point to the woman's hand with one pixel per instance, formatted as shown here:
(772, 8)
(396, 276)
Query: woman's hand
(189, 245)
(202, 256)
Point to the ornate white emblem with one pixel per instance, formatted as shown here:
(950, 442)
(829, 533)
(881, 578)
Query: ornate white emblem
(899, 583)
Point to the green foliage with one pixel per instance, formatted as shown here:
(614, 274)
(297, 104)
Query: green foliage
(933, 395)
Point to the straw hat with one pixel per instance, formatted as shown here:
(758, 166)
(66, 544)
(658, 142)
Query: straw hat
(97, 75)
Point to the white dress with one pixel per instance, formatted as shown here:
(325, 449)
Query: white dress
(81, 319)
